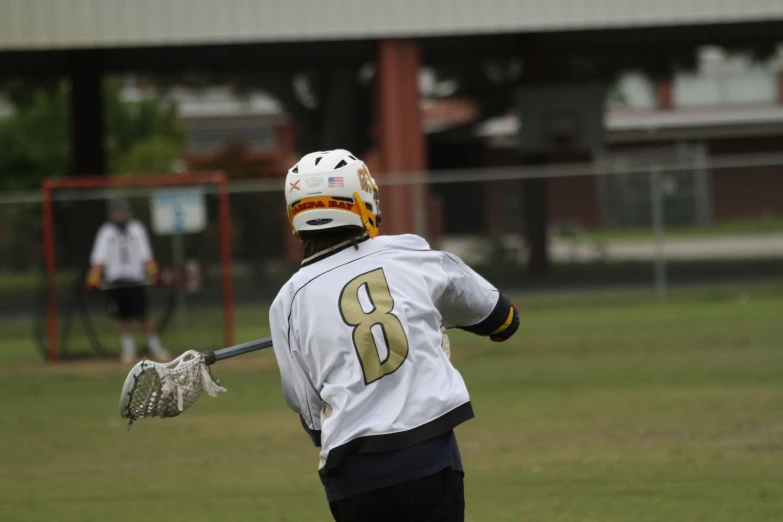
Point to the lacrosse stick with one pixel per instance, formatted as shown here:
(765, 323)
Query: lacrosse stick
(166, 390)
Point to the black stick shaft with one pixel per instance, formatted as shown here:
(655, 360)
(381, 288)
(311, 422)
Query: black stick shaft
(124, 285)
(233, 351)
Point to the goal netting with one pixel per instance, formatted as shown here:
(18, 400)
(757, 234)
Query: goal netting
(186, 217)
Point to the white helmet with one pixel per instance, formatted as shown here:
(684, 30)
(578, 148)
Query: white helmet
(331, 189)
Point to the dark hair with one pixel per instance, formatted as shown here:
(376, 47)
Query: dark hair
(119, 203)
(314, 242)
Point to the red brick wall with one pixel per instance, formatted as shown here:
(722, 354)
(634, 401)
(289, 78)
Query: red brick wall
(571, 200)
(737, 193)
(497, 196)
(747, 193)
(574, 201)
(750, 192)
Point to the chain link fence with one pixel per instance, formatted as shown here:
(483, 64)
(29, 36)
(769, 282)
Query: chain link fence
(648, 221)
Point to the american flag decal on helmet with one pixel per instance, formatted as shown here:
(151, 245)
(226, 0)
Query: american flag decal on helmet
(336, 182)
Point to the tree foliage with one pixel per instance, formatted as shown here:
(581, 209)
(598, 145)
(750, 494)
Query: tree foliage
(34, 138)
(142, 136)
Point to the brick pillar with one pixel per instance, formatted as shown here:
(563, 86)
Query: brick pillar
(401, 142)
(664, 95)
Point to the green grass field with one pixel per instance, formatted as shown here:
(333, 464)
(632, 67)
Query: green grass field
(605, 408)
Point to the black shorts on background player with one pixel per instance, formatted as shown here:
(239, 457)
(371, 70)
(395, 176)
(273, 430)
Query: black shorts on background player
(127, 300)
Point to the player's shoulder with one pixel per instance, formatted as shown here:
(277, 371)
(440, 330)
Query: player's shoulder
(402, 242)
(284, 295)
(136, 225)
(283, 303)
(106, 229)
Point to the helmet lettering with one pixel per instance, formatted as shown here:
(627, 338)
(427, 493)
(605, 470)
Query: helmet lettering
(340, 204)
(307, 205)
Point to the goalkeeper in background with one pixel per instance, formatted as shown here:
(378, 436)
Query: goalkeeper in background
(122, 264)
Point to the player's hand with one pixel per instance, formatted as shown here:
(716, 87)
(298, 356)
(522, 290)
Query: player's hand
(152, 272)
(445, 344)
(94, 278)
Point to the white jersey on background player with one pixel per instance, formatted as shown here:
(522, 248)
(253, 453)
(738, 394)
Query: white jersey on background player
(122, 264)
(123, 252)
(357, 335)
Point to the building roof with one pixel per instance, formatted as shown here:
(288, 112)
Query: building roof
(62, 24)
(710, 122)
(221, 102)
(654, 125)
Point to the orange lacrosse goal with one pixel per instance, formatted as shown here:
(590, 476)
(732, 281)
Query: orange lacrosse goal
(187, 220)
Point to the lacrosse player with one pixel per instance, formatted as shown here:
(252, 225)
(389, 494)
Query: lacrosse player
(357, 335)
(122, 264)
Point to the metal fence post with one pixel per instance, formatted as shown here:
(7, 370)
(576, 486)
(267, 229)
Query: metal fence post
(656, 203)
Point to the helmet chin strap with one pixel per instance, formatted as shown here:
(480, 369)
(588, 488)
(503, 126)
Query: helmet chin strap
(371, 231)
(291, 220)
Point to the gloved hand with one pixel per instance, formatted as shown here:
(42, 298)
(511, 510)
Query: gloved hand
(152, 272)
(94, 278)
(445, 344)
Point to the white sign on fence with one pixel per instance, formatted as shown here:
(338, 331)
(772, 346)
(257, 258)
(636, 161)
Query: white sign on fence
(178, 211)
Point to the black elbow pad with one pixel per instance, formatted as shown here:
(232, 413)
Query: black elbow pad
(500, 324)
(508, 328)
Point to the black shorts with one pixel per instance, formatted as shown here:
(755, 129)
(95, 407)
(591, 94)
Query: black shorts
(436, 498)
(127, 301)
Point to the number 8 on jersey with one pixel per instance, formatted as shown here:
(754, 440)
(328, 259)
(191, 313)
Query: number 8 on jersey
(363, 322)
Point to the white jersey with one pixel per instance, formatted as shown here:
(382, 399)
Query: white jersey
(357, 337)
(122, 253)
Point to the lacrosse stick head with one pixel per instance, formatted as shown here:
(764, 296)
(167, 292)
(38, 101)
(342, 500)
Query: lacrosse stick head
(165, 390)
